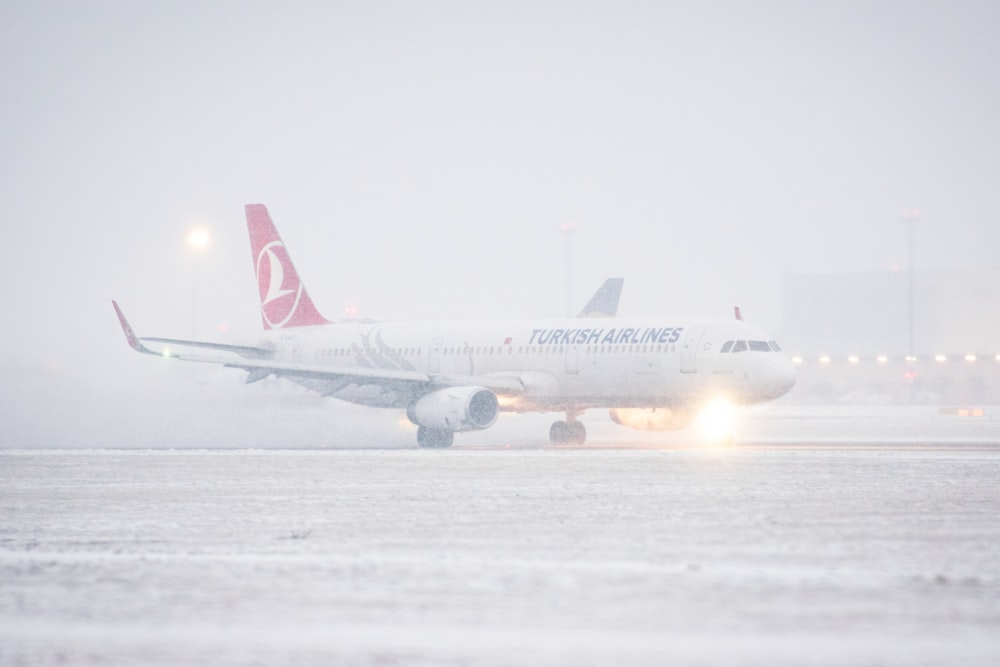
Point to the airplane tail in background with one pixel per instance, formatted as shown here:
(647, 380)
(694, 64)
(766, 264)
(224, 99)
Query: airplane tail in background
(284, 301)
(604, 303)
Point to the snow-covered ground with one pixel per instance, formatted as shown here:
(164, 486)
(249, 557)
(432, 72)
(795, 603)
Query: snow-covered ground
(758, 555)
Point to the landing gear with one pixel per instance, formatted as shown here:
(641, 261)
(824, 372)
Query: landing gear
(434, 439)
(564, 432)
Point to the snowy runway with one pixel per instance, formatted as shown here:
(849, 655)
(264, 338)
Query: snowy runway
(743, 556)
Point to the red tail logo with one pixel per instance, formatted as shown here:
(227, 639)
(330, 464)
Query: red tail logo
(284, 301)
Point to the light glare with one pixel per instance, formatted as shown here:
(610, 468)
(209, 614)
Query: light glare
(715, 421)
(198, 239)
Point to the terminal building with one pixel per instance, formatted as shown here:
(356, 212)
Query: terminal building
(860, 338)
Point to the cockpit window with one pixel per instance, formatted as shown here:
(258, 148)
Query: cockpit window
(726, 346)
(740, 346)
(759, 346)
(774, 345)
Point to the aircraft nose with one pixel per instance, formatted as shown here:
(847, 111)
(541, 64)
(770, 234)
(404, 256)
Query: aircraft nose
(781, 377)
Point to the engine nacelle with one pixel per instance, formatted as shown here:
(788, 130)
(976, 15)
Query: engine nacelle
(455, 409)
(652, 419)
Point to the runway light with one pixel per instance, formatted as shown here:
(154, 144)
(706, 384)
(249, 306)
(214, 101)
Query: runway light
(940, 358)
(882, 359)
(198, 239)
(970, 358)
(824, 360)
(964, 412)
(853, 359)
(797, 360)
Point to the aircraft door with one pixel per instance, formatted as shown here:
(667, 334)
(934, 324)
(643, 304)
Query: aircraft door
(434, 356)
(689, 350)
(572, 359)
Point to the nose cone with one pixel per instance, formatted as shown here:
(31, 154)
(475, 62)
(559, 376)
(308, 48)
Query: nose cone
(779, 377)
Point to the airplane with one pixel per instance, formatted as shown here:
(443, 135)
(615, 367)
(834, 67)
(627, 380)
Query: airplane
(652, 374)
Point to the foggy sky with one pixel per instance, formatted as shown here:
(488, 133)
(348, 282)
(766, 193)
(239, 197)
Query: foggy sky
(420, 158)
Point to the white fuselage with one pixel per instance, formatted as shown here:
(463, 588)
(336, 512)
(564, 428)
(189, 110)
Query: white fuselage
(566, 364)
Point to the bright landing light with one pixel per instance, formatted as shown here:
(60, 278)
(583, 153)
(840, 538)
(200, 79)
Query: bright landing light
(715, 422)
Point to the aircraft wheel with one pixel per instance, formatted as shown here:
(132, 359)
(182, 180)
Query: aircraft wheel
(576, 432)
(558, 432)
(434, 439)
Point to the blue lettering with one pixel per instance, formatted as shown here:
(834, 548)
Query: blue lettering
(664, 336)
(534, 332)
(595, 337)
(677, 334)
(609, 338)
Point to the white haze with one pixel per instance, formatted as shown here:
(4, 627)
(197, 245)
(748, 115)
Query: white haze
(420, 158)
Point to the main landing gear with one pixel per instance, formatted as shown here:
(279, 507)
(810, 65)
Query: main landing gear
(563, 432)
(433, 438)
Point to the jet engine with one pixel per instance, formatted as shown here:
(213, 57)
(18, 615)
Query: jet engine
(652, 419)
(455, 409)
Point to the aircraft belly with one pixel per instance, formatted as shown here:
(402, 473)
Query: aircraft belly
(371, 395)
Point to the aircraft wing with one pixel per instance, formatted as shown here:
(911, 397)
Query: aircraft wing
(254, 361)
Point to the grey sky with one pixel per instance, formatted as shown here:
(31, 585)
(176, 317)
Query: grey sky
(419, 158)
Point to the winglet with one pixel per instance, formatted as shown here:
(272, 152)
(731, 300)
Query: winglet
(739, 314)
(604, 303)
(284, 301)
(133, 340)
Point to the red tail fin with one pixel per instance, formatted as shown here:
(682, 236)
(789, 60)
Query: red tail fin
(284, 301)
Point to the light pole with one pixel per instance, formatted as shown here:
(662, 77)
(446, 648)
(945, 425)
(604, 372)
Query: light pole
(197, 241)
(568, 229)
(910, 219)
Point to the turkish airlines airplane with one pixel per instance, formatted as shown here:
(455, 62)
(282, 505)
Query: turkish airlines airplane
(652, 374)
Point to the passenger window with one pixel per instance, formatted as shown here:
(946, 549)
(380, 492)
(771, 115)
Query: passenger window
(759, 346)
(726, 346)
(740, 346)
